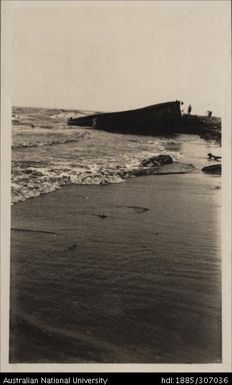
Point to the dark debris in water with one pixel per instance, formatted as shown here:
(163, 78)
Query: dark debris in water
(157, 160)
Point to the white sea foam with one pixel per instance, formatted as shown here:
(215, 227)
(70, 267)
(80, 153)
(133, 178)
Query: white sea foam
(30, 181)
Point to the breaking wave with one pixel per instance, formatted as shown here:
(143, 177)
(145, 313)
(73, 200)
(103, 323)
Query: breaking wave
(33, 179)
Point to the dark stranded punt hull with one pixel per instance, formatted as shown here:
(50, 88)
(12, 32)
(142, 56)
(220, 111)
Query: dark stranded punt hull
(155, 119)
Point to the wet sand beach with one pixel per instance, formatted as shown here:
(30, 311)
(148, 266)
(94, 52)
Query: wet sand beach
(127, 272)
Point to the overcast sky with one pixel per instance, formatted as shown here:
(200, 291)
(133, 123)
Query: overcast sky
(112, 56)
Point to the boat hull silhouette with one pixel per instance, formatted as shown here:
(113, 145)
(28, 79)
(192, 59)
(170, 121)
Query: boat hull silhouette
(154, 119)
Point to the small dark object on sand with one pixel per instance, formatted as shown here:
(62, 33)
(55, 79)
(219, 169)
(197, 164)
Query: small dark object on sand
(33, 231)
(138, 210)
(103, 216)
(214, 157)
(72, 247)
(214, 169)
(158, 160)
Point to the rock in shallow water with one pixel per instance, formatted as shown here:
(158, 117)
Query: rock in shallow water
(157, 160)
(214, 169)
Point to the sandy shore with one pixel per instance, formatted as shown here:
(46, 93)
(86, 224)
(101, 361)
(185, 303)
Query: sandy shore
(127, 272)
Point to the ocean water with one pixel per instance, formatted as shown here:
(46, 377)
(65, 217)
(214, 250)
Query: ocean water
(48, 154)
(112, 267)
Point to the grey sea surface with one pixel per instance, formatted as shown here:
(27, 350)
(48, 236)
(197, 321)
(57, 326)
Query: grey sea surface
(121, 272)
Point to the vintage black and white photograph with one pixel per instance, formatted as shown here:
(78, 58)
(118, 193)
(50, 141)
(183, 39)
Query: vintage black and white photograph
(116, 181)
